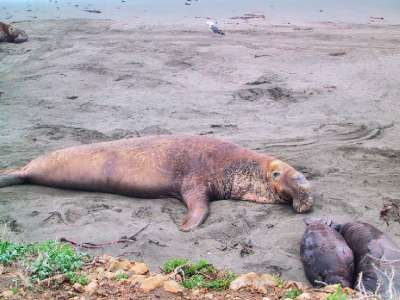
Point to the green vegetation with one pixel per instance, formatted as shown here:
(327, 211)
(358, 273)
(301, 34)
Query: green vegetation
(172, 264)
(122, 276)
(338, 294)
(73, 278)
(293, 293)
(194, 281)
(279, 281)
(200, 274)
(43, 260)
(10, 252)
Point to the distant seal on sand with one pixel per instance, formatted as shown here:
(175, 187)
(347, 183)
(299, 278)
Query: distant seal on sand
(376, 256)
(8, 33)
(325, 255)
(196, 169)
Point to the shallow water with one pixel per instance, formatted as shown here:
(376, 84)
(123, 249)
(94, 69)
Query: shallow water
(275, 11)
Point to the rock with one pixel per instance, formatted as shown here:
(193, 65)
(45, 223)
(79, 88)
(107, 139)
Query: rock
(136, 279)
(173, 287)
(209, 296)
(109, 275)
(268, 280)
(260, 283)
(7, 294)
(305, 296)
(266, 298)
(330, 288)
(100, 273)
(152, 283)
(106, 258)
(58, 279)
(296, 285)
(139, 269)
(91, 288)
(116, 265)
(78, 288)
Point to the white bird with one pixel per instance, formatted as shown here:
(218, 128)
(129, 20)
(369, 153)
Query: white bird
(214, 28)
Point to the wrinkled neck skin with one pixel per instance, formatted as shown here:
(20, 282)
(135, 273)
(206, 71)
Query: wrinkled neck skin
(247, 180)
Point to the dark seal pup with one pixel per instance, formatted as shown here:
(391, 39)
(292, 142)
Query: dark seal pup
(195, 169)
(325, 255)
(8, 33)
(377, 258)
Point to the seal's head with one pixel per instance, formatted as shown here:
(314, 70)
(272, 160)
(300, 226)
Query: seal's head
(290, 186)
(16, 35)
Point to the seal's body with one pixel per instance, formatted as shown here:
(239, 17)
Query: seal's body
(325, 255)
(193, 168)
(8, 33)
(377, 258)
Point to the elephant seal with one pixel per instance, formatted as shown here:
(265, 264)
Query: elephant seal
(195, 169)
(8, 33)
(325, 255)
(377, 258)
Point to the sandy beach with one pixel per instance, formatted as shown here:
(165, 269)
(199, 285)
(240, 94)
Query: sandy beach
(323, 97)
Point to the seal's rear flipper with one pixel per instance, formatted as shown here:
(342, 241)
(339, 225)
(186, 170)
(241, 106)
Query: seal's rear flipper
(10, 179)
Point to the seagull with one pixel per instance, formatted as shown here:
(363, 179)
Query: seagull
(214, 28)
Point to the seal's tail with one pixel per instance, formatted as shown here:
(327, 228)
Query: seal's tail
(10, 179)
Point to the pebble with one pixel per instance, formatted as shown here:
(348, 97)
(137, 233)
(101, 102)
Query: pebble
(253, 280)
(152, 283)
(139, 269)
(78, 287)
(136, 279)
(91, 288)
(173, 287)
(304, 296)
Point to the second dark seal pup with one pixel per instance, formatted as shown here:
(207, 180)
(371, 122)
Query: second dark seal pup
(377, 258)
(196, 169)
(8, 33)
(325, 255)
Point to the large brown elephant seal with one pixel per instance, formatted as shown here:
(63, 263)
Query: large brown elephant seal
(195, 169)
(325, 255)
(8, 33)
(377, 259)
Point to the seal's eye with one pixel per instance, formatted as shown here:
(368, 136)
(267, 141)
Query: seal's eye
(275, 174)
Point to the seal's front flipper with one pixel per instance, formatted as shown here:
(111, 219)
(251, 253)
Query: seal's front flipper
(10, 179)
(197, 204)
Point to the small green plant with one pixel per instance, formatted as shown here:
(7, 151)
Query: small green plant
(55, 258)
(42, 260)
(293, 293)
(122, 276)
(10, 252)
(200, 274)
(73, 278)
(14, 290)
(338, 294)
(172, 264)
(221, 283)
(279, 281)
(193, 282)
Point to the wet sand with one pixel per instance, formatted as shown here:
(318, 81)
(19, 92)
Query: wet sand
(323, 98)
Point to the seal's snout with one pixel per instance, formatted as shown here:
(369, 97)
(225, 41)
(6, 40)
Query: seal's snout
(301, 189)
(21, 37)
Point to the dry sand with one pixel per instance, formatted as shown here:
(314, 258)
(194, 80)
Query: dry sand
(324, 98)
